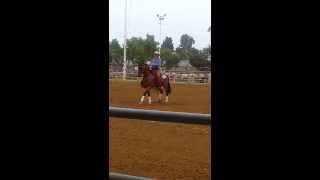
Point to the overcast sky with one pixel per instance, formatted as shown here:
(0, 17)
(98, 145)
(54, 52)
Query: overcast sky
(192, 17)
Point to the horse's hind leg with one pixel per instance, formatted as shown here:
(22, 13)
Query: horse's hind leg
(167, 94)
(167, 99)
(160, 95)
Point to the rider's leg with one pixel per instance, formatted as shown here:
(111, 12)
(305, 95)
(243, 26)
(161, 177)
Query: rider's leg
(154, 73)
(158, 77)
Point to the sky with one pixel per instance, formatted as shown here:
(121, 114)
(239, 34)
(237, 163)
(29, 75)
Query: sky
(192, 17)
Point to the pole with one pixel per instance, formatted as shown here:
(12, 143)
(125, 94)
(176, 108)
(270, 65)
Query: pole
(125, 43)
(210, 74)
(161, 18)
(160, 39)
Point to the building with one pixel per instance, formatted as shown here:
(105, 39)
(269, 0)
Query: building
(184, 65)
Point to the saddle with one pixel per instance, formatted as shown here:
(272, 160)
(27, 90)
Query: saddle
(160, 80)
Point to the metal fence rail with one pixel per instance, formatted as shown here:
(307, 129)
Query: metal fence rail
(164, 116)
(117, 176)
(178, 77)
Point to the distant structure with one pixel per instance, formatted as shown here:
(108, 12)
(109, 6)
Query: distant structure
(184, 65)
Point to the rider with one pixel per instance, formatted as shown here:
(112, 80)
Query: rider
(155, 66)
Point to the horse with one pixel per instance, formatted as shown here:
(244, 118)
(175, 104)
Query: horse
(148, 83)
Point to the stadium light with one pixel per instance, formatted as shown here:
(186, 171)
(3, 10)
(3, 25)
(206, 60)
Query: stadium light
(161, 18)
(125, 43)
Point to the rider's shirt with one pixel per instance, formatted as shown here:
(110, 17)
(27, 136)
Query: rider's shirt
(156, 62)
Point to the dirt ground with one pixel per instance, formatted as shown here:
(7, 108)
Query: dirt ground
(155, 149)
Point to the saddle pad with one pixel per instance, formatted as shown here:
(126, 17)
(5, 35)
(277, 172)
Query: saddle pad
(164, 76)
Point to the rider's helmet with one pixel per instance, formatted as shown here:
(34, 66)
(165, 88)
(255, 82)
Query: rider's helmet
(156, 53)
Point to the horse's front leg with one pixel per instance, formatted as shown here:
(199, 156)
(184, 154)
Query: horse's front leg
(143, 96)
(149, 97)
(167, 97)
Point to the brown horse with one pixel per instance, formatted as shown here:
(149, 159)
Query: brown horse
(148, 83)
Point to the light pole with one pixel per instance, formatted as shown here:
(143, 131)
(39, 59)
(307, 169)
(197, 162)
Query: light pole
(209, 76)
(161, 18)
(125, 43)
(209, 30)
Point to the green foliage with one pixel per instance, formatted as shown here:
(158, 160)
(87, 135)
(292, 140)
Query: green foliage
(167, 44)
(115, 51)
(140, 50)
(135, 50)
(186, 41)
(150, 45)
(183, 53)
(207, 51)
(169, 58)
(199, 59)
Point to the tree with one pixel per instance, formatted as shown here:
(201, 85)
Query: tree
(115, 51)
(135, 51)
(169, 58)
(139, 50)
(199, 59)
(168, 44)
(186, 41)
(207, 51)
(183, 53)
(150, 45)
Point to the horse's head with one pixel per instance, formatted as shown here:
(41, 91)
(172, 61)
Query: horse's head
(143, 69)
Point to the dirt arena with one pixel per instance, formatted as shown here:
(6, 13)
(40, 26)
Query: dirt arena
(155, 149)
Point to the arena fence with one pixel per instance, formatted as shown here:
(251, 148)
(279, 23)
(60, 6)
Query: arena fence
(118, 176)
(153, 115)
(164, 116)
(182, 75)
(196, 77)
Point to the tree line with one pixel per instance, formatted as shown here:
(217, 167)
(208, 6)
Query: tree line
(141, 49)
